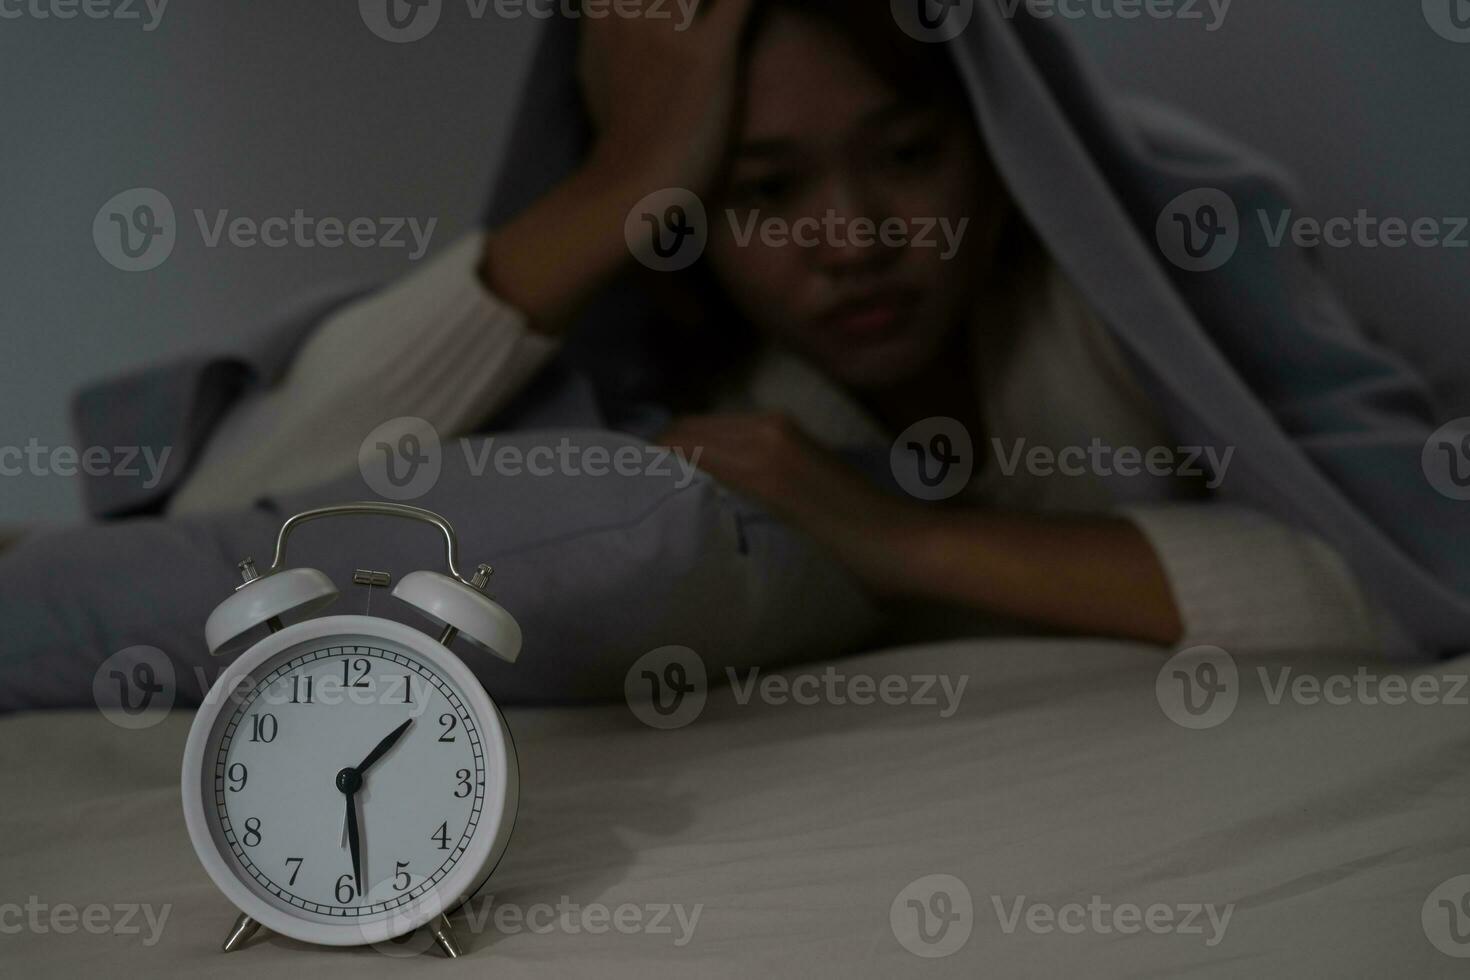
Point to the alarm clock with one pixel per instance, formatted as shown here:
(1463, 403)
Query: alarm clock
(347, 779)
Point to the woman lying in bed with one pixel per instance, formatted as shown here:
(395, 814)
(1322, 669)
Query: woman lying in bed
(827, 111)
(790, 358)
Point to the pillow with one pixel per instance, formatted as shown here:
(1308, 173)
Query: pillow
(601, 561)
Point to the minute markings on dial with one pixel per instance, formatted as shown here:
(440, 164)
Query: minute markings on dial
(223, 761)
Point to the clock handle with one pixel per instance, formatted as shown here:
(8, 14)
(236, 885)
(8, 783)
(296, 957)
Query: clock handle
(377, 509)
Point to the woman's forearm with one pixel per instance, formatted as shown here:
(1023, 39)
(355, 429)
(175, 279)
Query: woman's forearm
(1095, 575)
(549, 260)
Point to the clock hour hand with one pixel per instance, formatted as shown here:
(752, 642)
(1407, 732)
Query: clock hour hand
(382, 747)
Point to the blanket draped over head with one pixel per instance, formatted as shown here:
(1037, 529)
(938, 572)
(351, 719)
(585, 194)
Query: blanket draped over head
(1329, 430)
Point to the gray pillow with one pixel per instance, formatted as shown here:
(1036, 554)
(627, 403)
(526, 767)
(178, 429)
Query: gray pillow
(598, 569)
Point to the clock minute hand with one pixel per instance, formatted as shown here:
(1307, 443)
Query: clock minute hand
(352, 841)
(382, 747)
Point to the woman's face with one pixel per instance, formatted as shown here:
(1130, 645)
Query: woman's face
(852, 224)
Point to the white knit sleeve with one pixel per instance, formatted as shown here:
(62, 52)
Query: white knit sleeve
(1250, 584)
(435, 345)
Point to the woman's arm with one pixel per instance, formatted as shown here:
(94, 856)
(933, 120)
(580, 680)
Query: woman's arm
(1186, 574)
(456, 340)
(554, 256)
(1086, 575)
(1094, 575)
(662, 100)
(1249, 583)
(434, 345)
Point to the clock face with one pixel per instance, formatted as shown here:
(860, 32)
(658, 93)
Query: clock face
(342, 747)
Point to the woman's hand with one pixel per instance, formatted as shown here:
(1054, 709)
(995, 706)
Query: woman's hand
(661, 91)
(1094, 575)
(663, 100)
(769, 459)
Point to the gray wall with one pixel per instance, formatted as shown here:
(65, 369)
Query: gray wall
(258, 107)
(265, 106)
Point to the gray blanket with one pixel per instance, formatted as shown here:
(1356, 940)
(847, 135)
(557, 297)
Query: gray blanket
(1256, 354)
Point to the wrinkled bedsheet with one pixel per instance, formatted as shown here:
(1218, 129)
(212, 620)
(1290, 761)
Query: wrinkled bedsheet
(1045, 819)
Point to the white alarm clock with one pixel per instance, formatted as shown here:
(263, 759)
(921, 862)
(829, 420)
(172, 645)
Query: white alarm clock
(347, 779)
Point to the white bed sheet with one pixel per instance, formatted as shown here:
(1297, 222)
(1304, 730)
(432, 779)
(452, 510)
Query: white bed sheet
(794, 828)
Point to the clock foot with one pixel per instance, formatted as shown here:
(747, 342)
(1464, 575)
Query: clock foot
(444, 936)
(240, 934)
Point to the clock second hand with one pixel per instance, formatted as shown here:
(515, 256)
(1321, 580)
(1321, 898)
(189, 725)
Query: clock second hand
(349, 781)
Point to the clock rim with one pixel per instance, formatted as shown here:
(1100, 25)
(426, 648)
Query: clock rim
(487, 845)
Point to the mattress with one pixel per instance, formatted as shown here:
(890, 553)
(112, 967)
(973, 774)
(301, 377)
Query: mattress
(999, 808)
